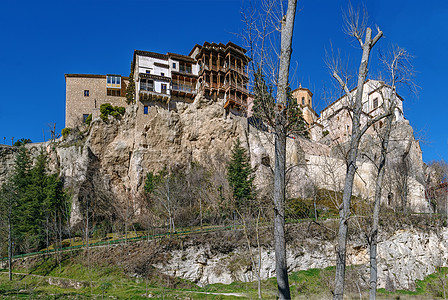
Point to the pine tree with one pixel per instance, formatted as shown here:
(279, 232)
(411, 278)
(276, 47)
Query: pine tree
(130, 90)
(39, 201)
(22, 166)
(241, 176)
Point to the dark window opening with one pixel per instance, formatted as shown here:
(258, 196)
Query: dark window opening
(375, 103)
(86, 93)
(84, 117)
(147, 85)
(303, 100)
(113, 92)
(145, 110)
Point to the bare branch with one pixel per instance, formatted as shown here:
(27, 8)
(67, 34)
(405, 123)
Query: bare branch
(355, 22)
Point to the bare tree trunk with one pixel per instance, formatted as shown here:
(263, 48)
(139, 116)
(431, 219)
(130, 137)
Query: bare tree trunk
(200, 210)
(260, 296)
(376, 209)
(280, 153)
(344, 212)
(9, 244)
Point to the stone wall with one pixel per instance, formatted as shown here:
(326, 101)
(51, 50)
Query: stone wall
(76, 104)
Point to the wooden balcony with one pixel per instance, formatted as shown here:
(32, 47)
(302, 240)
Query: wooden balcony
(232, 99)
(148, 95)
(239, 87)
(241, 71)
(183, 90)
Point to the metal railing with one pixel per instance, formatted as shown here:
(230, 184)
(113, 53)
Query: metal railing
(183, 88)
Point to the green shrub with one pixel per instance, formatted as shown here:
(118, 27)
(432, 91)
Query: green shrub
(107, 109)
(325, 133)
(65, 132)
(22, 142)
(88, 119)
(297, 208)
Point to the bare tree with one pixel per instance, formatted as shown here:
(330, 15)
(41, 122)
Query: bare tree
(273, 63)
(356, 26)
(280, 152)
(169, 193)
(400, 72)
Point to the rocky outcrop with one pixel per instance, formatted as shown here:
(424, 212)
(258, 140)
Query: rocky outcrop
(106, 163)
(404, 257)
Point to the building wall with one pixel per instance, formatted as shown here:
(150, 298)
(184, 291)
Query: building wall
(144, 64)
(337, 119)
(77, 105)
(304, 99)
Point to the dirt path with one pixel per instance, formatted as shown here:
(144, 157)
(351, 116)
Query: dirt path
(220, 294)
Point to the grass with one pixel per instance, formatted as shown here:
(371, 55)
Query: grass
(431, 286)
(111, 281)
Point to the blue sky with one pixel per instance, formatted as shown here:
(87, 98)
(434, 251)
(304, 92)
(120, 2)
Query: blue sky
(43, 40)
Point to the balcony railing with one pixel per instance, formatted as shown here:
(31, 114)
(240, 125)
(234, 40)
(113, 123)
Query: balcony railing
(183, 88)
(146, 87)
(234, 99)
(235, 68)
(236, 86)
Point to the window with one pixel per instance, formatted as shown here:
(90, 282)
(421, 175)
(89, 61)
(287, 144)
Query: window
(186, 68)
(147, 85)
(84, 117)
(145, 110)
(162, 74)
(86, 93)
(163, 88)
(375, 103)
(148, 71)
(303, 100)
(113, 81)
(113, 92)
(174, 65)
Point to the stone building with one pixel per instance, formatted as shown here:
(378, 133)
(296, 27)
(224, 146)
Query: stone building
(304, 99)
(86, 92)
(223, 73)
(217, 71)
(336, 119)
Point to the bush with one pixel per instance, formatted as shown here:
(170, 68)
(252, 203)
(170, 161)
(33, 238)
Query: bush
(107, 109)
(325, 133)
(65, 132)
(22, 142)
(299, 209)
(88, 119)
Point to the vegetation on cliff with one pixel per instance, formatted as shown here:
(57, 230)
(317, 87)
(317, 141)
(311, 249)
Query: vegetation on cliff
(36, 202)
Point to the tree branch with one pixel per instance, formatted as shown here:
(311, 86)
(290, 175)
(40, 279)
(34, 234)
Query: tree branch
(377, 37)
(373, 121)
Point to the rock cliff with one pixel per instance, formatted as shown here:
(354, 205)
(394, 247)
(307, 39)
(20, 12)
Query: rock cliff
(106, 163)
(404, 256)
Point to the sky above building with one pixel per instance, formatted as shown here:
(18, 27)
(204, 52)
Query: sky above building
(43, 40)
